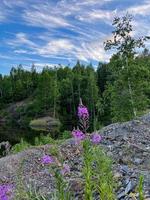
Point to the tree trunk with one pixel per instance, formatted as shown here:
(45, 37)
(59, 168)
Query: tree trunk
(131, 96)
(131, 92)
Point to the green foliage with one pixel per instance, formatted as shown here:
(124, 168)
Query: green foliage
(62, 190)
(43, 139)
(97, 172)
(140, 188)
(129, 79)
(87, 169)
(105, 184)
(20, 146)
(54, 151)
(66, 135)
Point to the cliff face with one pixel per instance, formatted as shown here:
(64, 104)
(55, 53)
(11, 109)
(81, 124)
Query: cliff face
(127, 143)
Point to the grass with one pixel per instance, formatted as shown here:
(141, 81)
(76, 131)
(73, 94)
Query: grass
(23, 145)
(140, 188)
(87, 170)
(97, 172)
(105, 184)
(41, 140)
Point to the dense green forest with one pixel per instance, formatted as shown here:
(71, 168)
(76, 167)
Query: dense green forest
(115, 91)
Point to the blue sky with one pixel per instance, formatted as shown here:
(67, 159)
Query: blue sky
(51, 32)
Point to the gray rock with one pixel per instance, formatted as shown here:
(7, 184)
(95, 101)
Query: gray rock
(130, 187)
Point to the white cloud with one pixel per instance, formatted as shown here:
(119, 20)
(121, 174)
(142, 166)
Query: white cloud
(21, 39)
(21, 51)
(12, 3)
(55, 47)
(44, 19)
(39, 66)
(92, 51)
(65, 49)
(96, 15)
(140, 9)
(2, 16)
(93, 2)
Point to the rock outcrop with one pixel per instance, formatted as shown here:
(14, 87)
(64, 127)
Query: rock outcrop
(48, 124)
(127, 143)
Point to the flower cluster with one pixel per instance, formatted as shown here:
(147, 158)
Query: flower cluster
(78, 135)
(47, 159)
(96, 138)
(83, 115)
(83, 112)
(5, 191)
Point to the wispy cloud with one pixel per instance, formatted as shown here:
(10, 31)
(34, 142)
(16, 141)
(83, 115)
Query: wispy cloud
(45, 20)
(140, 9)
(96, 15)
(21, 51)
(57, 47)
(39, 66)
(21, 39)
(2, 16)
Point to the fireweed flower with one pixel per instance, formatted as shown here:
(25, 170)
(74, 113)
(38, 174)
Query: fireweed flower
(47, 159)
(5, 192)
(83, 115)
(96, 138)
(78, 135)
(65, 169)
(83, 112)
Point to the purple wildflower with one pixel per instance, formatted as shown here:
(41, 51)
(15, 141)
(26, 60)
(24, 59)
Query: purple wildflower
(5, 192)
(78, 135)
(65, 169)
(83, 112)
(96, 138)
(47, 159)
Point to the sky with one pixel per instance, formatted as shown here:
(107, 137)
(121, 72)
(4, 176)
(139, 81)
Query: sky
(52, 32)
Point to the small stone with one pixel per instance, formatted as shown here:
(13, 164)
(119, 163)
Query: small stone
(124, 169)
(138, 161)
(121, 195)
(130, 187)
(117, 175)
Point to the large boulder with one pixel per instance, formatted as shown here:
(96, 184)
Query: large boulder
(47, 124)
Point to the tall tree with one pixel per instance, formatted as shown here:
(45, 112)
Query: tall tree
(126, 47)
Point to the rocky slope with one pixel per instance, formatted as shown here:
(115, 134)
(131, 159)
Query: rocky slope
(128, 143)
